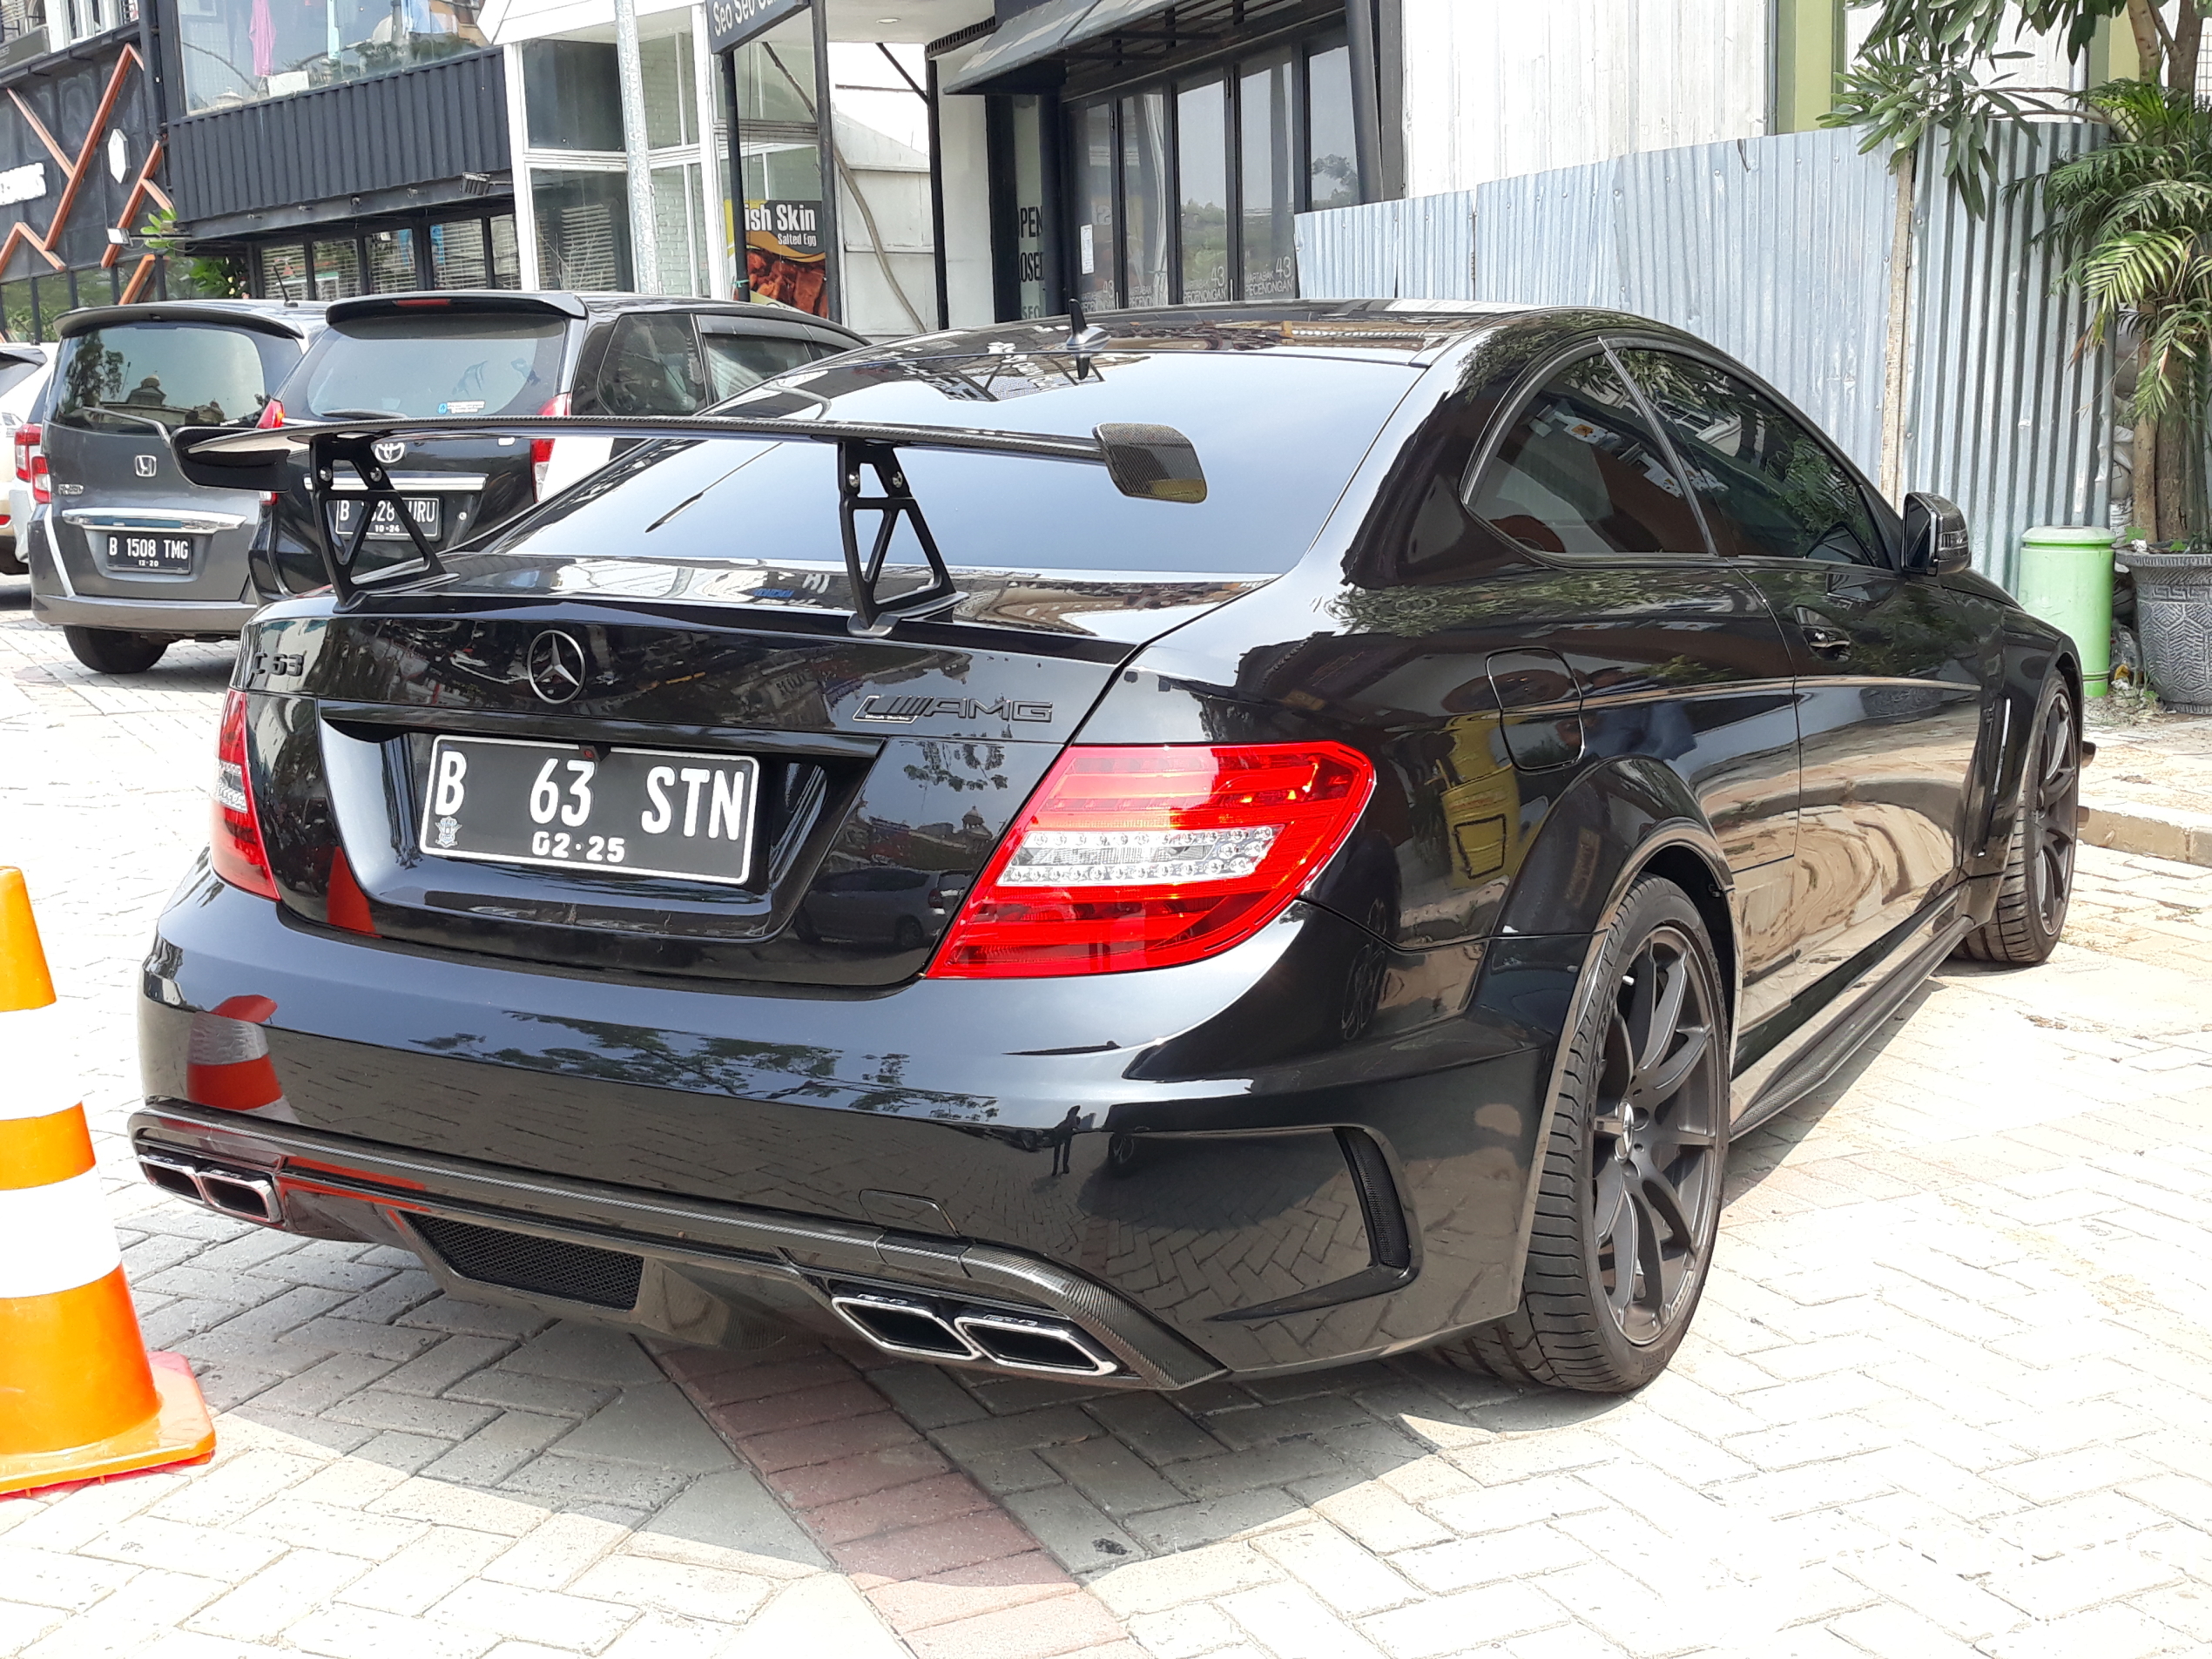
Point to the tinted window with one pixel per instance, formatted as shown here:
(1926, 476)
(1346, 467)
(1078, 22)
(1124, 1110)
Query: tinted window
(1277, 434)
(1580, 472)
(471, 363)
(1768, 486)
(168, 375)
(652, 367)
(735, 362)
(14, 373)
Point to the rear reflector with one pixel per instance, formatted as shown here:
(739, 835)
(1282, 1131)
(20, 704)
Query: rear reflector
(235, 849)
(1129, 858)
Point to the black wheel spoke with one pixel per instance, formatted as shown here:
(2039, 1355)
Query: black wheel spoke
(1659, 1085)
(1659, 1193)
(1666, 1012)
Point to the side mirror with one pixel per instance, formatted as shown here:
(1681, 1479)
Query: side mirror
(1935, 536)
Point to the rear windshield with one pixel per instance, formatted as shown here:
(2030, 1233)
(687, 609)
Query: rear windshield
(422, 366)
(1278, 435)
(168, 375)
(14, 372)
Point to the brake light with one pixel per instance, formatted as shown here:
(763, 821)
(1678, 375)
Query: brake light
(235, 849)
(1130, 858)
(41, 478)
(26, 445)
(541, 449)
(272, 416)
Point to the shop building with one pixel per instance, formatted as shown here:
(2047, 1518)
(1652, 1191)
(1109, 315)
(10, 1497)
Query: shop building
(79, 160)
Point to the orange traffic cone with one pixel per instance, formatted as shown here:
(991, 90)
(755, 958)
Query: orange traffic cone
(80, 1398)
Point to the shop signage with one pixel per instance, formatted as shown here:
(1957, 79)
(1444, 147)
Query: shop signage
(732, 23)
(23, 183)
(783, 256)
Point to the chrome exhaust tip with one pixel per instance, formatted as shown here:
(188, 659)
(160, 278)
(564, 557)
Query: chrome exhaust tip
(898, 1324)
(235, 1193)
(1041, 1346)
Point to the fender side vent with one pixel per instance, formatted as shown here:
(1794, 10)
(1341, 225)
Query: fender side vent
(1389, 1241)
(606, 1278)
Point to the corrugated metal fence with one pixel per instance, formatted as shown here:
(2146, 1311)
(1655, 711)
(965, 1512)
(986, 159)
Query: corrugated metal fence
(1777, 251)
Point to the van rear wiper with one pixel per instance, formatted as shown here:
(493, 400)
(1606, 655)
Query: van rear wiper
(1148, 463)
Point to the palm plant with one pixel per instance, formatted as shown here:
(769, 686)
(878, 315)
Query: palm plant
(2134, 216)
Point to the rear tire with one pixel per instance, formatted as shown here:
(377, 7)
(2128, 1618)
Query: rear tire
(1628, 1194)
(2038, 882)
(111, 651)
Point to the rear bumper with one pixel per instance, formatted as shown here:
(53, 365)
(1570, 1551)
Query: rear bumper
(717, 1275)
(1222, 1166)
(139, 616)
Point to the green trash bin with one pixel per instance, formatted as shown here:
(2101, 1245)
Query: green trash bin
(2065, 578)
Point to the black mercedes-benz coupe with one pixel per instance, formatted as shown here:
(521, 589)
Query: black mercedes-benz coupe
(1202, 841)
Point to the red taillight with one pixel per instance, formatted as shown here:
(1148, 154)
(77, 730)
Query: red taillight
(272, 416)
(541, 449)
(41, 478)
(1131, 857)
(27, 439)
(235, 848)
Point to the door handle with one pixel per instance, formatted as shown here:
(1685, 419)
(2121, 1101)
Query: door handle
(1831, 643)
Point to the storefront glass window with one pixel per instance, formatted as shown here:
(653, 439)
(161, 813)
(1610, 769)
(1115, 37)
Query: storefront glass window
(52, 296)
(458, 254)
(785, 255)
(1094, 264)
(240, 52)
(391, 260)
(665, 63)
(338, 270)
(284, 272)
(1144, 197)
(1332, 162)
(15, 308)
(679, 237)
(571, 95)
(506, 261)
(1202, 176)
(1028, 228)
(1267, 183)
(583, 229)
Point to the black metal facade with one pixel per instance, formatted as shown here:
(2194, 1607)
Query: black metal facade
(389, 143)
(63, 91)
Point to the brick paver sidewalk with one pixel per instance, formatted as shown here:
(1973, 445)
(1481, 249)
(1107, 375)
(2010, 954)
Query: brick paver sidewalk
(1947, 1394)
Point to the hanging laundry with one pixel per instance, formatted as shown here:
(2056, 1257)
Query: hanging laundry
(261, 30)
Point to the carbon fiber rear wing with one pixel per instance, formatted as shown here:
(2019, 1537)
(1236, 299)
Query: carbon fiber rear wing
(1148, 463)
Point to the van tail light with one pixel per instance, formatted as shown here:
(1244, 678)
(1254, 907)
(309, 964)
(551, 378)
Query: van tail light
(541, 449)
(272, 416)
(27, 439)
(1129, 858)
(42, 480)
(235, 849)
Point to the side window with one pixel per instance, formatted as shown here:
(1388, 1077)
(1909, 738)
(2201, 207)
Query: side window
(652, 367)
(1770, 488)
(737, 362)
(1581, 472)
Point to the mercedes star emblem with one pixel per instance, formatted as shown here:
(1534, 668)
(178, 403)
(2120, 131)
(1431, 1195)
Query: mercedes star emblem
(557, 666)
(389, 450)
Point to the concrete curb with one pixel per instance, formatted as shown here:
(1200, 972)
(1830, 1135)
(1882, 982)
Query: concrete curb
(2167, 833)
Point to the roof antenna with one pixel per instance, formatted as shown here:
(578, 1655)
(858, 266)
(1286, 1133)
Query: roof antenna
(1084, 339)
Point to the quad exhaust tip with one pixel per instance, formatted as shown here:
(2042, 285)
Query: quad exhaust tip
(236, 1193)
(916, 1330)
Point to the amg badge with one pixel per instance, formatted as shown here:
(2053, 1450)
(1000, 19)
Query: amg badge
(904, 711)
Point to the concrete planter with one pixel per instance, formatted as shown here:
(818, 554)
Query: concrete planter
(2174, 621)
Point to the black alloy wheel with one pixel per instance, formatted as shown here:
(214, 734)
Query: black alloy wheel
(2038, 881)
(1629, 1202)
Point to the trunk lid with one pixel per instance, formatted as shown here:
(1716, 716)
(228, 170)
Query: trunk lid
(888, 768)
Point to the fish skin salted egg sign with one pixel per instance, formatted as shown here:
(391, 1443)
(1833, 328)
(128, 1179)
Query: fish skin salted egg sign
(732, 23)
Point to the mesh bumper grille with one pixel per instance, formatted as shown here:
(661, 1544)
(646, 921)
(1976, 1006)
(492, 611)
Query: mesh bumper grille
(606, 1279)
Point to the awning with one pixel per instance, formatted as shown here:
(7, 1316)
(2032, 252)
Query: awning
(1044, 30)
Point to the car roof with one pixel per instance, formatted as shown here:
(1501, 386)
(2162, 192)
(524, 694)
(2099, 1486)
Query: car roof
(295, 317)
(569, 303)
